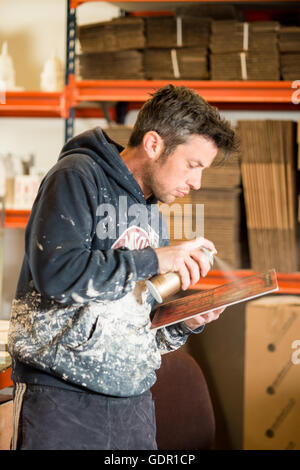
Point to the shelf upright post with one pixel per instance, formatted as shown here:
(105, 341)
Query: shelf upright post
(2, 217)
(70, 66)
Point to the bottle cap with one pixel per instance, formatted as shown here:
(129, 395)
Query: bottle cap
(209, 254)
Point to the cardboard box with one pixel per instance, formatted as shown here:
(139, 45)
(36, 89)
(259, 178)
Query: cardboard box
(272, 374)
(25, 191)
(298, 143)
(9, 193)
(6, 424)
(4, 325)
(21, 191)
(4, 355)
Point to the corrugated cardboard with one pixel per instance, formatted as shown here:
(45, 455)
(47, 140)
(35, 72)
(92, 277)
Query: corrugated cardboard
(25, 191)
(4, 355)
(272, 374)
(298, 142)
(6, 424)
(269, 184)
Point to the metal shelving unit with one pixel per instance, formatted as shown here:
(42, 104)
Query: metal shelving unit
(16, 218)
(276, 95)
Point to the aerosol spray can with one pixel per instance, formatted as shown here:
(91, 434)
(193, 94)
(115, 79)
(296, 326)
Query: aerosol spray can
(164, 285)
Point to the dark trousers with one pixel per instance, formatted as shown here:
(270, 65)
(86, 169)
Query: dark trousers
(50, 418)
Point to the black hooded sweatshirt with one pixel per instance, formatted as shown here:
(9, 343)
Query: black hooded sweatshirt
(82, 312)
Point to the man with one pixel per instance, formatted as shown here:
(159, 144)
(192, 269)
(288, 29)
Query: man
(84, 357)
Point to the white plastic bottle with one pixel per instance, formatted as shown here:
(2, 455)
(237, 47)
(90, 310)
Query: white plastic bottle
(52, 77)
(7, 71)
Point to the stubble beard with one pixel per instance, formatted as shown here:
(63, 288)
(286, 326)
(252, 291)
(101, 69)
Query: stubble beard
(151, 180)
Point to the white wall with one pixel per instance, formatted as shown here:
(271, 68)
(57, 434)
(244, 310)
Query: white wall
(33, 28)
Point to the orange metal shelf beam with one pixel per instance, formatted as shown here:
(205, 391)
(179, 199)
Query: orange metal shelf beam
(238, 93)
(34, 104)
(5, 380)
(16, 218)
(40, 104)
(76, 3)
(288, 283)
(272, 92)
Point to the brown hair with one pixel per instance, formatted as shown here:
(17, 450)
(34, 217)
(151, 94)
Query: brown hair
(175, 113)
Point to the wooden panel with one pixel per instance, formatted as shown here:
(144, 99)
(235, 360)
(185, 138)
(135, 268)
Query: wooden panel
(227, 294)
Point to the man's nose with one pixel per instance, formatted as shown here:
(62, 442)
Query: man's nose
(194, 181)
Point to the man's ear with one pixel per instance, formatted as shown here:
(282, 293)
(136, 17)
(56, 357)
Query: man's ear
(153, 145)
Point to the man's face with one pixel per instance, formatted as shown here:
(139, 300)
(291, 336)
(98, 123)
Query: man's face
(182, 170)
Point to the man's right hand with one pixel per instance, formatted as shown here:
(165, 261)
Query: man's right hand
(186, 259)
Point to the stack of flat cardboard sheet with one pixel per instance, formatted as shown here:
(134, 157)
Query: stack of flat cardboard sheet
(236, 36)
(250, 66)
(177, 47)
(289, 39)
(217, 12)
(119, 133)
(222, 221)
(223, 174)
(110, 65)
(244, 51)
(223, 210)
(177, 31)
(4, 355)
(269, 181)
(214, 211)
(289, 46)
(119, 34)
(298, 144)
(180, 217)
(181, 63)
(111, 49)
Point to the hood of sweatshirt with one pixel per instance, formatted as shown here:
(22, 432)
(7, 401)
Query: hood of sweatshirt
(105, 152)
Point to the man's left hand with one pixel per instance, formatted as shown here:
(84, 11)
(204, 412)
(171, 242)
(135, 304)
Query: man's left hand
(201, 320)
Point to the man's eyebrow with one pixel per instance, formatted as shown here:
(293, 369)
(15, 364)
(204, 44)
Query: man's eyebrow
(199, 163)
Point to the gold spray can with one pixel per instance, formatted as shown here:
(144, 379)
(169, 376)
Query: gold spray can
(164, 285)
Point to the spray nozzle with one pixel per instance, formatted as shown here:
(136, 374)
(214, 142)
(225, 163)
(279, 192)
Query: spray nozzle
(209, 254)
